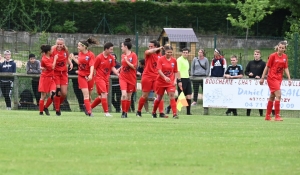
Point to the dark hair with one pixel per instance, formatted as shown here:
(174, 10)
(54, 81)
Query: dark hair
(185, 49)
(168, 47)
(218, 51)
(75, 53)
(203, 51)
(127, 43)
(31, 55)
(89, 41)
(114, 55)
(108, 45)
(155, 42)
(45, 48)
(142, 61)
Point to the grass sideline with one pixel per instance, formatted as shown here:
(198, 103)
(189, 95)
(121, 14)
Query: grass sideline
(76, 144)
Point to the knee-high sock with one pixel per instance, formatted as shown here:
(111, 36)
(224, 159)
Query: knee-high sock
(269, 107)
(96, 102)
(41, 105)
(188, 108)
(141, 104)
(48, 103)
(173, 106)
(57, 103)
(161, 106)
(124, 105)
(104, 104)
(62, 99)
(127, 105)
(277, 107)
(156, 104)
(87, 105)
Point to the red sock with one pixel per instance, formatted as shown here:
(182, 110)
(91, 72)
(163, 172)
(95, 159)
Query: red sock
(57, 103)
(269, 107)
(104, 104)
(96, 102)
(161, 106)
(41, 105)
(173, 106)
(156, 104)
(124, 105)
(277, 107)
(141, 104)
(87, 105)
(127, 105)
(48, 103)
(62, 99)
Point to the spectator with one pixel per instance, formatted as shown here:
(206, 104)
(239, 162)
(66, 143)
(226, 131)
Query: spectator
(6, 83)
(233, 71)
(74, 71)
(255, 69)
(218, 64)
(34, 67)
(116, 91)
(199, 68)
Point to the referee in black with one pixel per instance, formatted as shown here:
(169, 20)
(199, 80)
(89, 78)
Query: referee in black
(183, 66)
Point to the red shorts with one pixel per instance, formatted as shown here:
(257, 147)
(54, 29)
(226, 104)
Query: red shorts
(274, 85)
(47, 84)
(148, 84)
(61, 77)
(161, 90)
(101, 86)
(83, 83)
(130, 88)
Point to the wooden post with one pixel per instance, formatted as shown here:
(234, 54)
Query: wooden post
(16, 92)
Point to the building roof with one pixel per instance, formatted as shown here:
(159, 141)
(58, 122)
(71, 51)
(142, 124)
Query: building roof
(180, 34)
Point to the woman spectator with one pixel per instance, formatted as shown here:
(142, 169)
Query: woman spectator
(34, 67)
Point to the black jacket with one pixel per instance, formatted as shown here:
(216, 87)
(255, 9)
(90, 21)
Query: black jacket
(256, 67)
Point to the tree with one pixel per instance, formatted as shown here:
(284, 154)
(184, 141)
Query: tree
(292, 5)
(252, 11)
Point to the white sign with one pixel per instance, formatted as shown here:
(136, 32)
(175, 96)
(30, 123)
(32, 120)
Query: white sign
(247, 93)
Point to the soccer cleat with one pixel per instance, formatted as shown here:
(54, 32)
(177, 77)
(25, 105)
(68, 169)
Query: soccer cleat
(278, 118)
(162, 115)
(107, 115)
(41, 113)
(84, 109)
(194, 103)
(46, 111)
(58, 113)
(138, 114)
(175, 116)
(268, 118)
(154, 115)
(123, 115)
(168, 109)
(91, 115)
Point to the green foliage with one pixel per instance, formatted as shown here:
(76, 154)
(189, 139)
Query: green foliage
(252, 11)
(6, 11)
(68, 27)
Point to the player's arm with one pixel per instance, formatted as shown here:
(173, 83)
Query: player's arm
(115, 71)
(154, 50)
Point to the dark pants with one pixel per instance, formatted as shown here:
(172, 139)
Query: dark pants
(35, 87)
(196, 85)
(132, 106)
(260, 112)
(78, 93)
(234, 111)
(6, 88)
(116, 97)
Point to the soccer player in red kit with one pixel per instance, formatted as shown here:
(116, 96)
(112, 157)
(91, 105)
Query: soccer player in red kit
(127, 77)
(46, 83)
(104, 64)
(60, 72)
(149, 76)
(86, 72)
(166, 80)
(277, 64)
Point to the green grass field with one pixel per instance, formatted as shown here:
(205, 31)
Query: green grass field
(76, 144)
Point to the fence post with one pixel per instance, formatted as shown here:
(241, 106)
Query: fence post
(295, 55)
(16, 92)
(215, 41)
(137, 43)
(109, 95)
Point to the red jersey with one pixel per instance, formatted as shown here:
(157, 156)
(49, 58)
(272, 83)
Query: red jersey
(150, 70)
(277, 65)
(103, 66)
(62, 60)
(85, 62)
(47, 64)
(168, 68)
(127, 73)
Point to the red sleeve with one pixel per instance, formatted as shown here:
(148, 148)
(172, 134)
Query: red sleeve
(271, 60)
(97, 61)
(134, 61)
(286, 62)
(92, 61)
(113, 63)
(175, 67)
(159, 67)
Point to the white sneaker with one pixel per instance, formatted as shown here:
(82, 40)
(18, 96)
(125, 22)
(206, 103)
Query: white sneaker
(8, 108)
(194, 103)
(107, 115)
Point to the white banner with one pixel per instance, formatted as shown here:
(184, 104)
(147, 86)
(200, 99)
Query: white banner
(247, 93)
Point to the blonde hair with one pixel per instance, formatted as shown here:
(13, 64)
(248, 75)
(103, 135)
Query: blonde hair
(281, 42)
